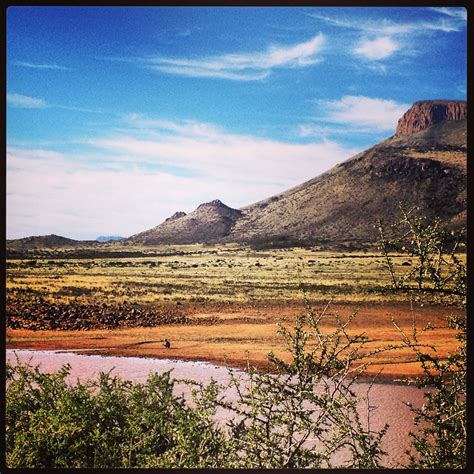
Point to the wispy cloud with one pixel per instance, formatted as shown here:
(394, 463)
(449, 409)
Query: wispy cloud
(209, 151)
(25, 102)
(378, 48)
(453, 12)
(244, 67)
(387, 27)
(366, 112)
(41, 66)
(78, 109)
(317, 131)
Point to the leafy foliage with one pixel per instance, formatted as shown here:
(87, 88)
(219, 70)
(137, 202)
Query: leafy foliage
(105, 423)
(301, 413)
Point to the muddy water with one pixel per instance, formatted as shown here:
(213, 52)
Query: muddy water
(387, 398)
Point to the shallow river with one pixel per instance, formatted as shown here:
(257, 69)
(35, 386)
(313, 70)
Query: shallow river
(387, 398)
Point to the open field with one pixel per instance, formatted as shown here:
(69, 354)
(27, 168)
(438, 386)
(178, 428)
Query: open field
(198, 274)
(220, 304)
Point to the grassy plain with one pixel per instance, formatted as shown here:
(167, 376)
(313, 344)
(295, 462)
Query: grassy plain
(240, 293)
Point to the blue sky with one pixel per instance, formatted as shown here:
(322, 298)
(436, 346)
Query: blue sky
(118, 117)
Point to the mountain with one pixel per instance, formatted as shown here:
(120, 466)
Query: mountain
(210, 222)
(424, 163)
(44, 241)
(108, 238)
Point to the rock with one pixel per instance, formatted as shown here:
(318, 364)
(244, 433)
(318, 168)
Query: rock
(175, 216)
(422, 114)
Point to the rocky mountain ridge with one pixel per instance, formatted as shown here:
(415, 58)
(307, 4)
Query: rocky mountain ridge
(209, 222)
(46, 241)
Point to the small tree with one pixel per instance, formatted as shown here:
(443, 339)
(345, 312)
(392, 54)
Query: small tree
(436, 268)
(441, 440)
(304, 413)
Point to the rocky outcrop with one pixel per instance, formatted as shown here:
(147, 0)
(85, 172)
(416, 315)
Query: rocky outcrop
(217, 208)
(175, 216)
(424, 113)
(209, 222)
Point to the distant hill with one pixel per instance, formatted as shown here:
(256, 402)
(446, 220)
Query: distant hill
(109, 238)
(45, 241)
(210, 222)
(424, 164)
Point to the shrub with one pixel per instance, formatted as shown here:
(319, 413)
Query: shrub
(300, 413)
(304, 413)
(436, 267)
(441, 439)
(106, 423)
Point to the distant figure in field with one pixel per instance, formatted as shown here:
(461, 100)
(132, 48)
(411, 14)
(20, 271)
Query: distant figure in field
(166, 344)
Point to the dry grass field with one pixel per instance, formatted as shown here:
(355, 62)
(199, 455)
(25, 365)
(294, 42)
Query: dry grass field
(233, 298)
(198, 274)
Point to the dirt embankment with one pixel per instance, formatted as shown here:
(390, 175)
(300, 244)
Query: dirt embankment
(234, 335)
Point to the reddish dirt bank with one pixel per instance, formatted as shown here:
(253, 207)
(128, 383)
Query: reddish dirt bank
(248, 333)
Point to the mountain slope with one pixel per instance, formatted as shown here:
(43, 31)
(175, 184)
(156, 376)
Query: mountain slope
(423, 164)
(343, 203)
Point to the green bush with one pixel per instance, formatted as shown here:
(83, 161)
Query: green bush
(304, 413)
(106, 423)
(437, 271)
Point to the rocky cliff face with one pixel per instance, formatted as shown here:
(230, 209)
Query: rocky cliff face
(422, 114)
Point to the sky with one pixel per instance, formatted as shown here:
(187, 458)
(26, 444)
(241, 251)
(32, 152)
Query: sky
(117, 117)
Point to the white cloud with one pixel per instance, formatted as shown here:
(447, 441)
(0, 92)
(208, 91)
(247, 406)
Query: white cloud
(454, 23)
(376, 114)
(378, 48)
(323, 132)
(79, 109)
(25, 102)
(83, 202)
(453, 12)
(41, 66)
(186, 127)
(132, 180)
(245, 67)
(207, 151)
(309, 130)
